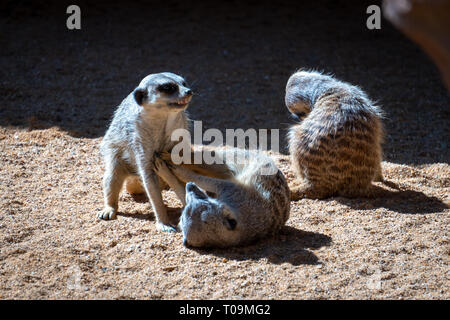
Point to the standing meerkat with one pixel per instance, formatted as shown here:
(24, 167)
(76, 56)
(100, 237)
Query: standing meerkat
(336, 148)
(251, 198)
(142, 126)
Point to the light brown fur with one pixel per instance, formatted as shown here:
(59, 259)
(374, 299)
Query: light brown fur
(241, 201)
(336, 149)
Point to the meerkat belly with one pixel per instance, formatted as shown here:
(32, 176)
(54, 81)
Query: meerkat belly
(129, 162)
(276, 191)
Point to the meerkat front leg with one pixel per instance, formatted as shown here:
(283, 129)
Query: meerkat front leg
(153, 190)
(164, 172)
(112, 184)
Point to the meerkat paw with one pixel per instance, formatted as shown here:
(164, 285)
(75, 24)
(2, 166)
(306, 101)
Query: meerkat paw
(297, 190)
(161, 168)
(166, 227)
(109, 213)
(166, 156)
(302, 191)
(297, 193)
(159, 164)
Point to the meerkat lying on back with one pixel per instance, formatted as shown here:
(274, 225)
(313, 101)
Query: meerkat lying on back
(336, 148)
(142, 126)
(251, 198)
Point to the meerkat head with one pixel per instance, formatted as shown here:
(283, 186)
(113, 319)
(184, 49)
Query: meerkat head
(206, 222)
(301, 90)
(165, 90)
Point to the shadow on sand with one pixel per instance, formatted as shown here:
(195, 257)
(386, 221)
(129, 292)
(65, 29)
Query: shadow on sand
(399, 200)
(173, 213)
(289, 246)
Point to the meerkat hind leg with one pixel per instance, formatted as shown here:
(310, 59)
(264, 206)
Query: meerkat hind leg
(209, 184)
(214, 170)
(112, 184)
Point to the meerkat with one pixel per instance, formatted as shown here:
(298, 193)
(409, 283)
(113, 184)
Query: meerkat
(142, 126)
(245, 197)
(336, 148)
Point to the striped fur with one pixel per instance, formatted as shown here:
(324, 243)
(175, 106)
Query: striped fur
(336, 148)
(255, 195)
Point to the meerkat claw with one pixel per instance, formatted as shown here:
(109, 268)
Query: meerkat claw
(107, 214)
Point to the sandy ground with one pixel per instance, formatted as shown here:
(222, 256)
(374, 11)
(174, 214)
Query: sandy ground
(59, 90)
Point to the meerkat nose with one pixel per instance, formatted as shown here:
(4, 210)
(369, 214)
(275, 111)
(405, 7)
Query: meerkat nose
(189, 92)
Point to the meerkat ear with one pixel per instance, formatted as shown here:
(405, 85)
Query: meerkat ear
(230, 223)
(191, 187)
(140, 95)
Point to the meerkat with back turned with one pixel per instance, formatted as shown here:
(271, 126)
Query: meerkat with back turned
(141, 127)
(245, 197)
(336, 148)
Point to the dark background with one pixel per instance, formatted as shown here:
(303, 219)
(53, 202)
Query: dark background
(237, 56)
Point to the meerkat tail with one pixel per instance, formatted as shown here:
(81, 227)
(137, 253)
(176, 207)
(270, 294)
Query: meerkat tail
(133, 185)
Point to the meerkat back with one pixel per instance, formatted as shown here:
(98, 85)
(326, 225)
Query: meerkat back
(336, 149)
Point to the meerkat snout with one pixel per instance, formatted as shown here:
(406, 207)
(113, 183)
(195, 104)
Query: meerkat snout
(297, 106)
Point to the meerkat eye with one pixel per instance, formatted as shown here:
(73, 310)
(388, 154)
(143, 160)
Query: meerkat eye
(184, 83)
(168, 88)
(299, 115)
(231, 223)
